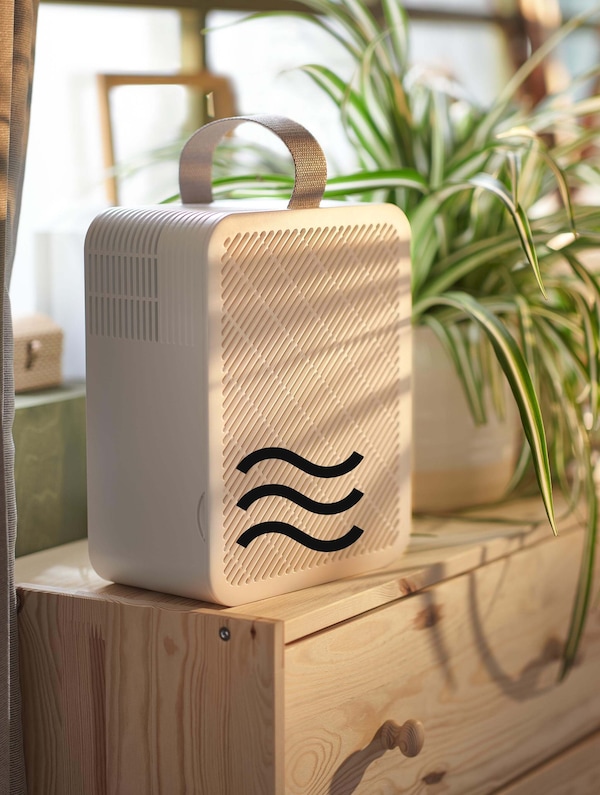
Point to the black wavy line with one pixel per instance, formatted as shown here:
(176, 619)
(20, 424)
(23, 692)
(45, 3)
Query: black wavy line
(300, 536)
(276, 490)
(318, 471)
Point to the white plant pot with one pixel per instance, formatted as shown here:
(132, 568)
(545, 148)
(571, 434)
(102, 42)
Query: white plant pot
(456, 464)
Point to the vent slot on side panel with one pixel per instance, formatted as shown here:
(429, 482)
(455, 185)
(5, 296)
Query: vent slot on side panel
(122, 296)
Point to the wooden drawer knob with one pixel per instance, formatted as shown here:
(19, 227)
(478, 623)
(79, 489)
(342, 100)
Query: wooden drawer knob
(409, 737)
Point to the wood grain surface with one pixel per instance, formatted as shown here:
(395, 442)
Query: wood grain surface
(440, 548)
(474, 658)
(128, 691)
(575, 772)
(123, 699)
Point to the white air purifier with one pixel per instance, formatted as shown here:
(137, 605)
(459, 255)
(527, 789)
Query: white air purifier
(248, 385)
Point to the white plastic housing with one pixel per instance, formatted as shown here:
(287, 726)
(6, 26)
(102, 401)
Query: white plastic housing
(214, 333)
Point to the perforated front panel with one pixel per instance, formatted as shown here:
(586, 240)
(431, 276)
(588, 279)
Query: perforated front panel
(311, 347)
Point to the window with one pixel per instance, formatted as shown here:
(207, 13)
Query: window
(64, 179)
(64, 187)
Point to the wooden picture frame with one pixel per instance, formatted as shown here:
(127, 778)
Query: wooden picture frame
(218, 102)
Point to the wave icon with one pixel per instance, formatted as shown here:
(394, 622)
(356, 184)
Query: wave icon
(308, 504)
(275, 490)
(283, 528)
(281, 453)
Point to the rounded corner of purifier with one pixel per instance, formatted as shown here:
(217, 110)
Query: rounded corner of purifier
(101, 563)
(401, 219)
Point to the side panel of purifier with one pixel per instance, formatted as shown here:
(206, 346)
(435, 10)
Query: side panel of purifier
(310, 383)
(148, 491)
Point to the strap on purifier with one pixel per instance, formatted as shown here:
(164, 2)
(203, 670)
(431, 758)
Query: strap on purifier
(195, 164)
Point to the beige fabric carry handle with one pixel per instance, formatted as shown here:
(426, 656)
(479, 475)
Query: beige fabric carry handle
(195, 164)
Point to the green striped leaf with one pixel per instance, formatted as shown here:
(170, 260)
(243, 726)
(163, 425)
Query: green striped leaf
(397, 24)
(375, 180)
(519, 217)
(585, 579)
(516, 371)
(529, 66)
(524, 133)
(355, 112)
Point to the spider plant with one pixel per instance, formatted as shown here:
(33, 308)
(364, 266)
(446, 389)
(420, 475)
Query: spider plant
(497, 237)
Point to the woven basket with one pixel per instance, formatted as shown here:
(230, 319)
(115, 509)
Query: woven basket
(38, 352)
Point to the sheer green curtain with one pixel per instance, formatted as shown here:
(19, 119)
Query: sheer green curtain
(17, 37)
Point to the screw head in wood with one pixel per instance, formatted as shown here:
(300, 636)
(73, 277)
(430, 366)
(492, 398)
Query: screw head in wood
(224, 633)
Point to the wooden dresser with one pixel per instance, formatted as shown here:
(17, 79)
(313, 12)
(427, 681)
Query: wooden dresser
(129, 692)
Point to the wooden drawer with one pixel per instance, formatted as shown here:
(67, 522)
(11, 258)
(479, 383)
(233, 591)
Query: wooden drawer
(474, 658)
(127, 691)
(574, 772)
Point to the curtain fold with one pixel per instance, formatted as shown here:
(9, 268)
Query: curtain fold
(17, 40)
